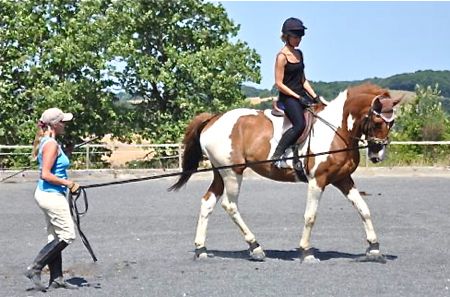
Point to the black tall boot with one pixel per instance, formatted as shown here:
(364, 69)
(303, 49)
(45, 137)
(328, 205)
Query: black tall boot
(288, 138)
(45, 256)
(56, 274)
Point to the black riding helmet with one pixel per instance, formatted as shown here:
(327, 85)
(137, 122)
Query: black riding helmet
(293, 27)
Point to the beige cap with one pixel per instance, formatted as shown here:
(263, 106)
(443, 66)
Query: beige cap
(55, 115)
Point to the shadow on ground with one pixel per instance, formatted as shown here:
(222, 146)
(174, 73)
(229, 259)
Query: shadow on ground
(292, 255)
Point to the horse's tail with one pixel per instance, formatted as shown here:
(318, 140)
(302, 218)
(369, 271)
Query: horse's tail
(192, 150)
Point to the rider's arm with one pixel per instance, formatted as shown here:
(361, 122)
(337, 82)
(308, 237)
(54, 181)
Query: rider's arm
(308, 88)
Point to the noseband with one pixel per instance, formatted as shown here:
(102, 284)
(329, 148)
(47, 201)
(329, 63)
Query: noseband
(368, 127)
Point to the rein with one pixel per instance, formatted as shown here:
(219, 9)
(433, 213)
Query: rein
(77, 214)
(366, 127)
(331, 126)
(81, 193)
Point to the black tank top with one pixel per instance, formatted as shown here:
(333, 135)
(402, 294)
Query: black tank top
(294, 77)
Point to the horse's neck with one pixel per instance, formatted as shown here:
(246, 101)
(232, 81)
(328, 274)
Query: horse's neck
(340, 125)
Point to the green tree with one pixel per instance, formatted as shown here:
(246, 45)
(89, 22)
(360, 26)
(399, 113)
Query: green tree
(53, 54)
(180, 60)
(176, 55)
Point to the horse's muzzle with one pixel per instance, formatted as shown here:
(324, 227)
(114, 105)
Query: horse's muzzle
(375, 160)
(376, 153)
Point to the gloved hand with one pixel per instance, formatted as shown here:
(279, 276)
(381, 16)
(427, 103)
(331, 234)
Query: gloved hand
(73, 187)
(306, 101)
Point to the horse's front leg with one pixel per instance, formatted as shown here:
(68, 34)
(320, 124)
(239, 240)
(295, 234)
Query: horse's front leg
(347, 187)
(232, 185)
(312, 203)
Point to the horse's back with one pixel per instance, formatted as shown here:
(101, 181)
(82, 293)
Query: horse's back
(236, 135)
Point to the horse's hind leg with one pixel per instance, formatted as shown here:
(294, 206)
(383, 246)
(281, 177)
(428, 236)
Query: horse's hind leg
(232, 185)
(209, 200)
(347, 187)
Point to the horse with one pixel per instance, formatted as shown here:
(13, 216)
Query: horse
(243, 138)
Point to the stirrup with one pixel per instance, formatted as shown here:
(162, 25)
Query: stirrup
(280, 162)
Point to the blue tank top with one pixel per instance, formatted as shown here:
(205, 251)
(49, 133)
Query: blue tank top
(59, 168)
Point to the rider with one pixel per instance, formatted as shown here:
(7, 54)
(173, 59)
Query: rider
(295, 92)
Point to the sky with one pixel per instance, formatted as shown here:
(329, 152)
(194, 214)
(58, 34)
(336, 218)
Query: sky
(349, 40)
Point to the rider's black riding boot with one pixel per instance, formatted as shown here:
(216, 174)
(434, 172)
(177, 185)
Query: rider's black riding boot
(56, 274)
(44, 257)
(288, 138)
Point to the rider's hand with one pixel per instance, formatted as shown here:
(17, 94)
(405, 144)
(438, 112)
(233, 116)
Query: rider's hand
(306, 101)
(73, 187)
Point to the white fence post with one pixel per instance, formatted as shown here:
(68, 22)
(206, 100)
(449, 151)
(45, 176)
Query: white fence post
(87, 156)
(367, 157)
(180, 157)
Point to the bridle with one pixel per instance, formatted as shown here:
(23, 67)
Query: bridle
(368, 126)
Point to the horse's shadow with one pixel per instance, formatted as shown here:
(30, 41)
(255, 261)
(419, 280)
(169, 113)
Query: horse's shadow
(293, 255)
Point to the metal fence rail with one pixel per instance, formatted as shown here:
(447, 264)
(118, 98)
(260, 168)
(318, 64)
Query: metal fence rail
(104, 155)
(154, 155)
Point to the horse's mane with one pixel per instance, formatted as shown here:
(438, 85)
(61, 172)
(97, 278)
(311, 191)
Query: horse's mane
(369, 89)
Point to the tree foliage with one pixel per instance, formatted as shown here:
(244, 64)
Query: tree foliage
(51, 57)
(176, 55)
(423, 119)
(179, 61)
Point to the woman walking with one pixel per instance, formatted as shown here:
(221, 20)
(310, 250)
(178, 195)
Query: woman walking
(50, 196)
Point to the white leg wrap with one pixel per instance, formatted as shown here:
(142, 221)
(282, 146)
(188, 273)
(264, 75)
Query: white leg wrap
(206, 209)
(364, 212)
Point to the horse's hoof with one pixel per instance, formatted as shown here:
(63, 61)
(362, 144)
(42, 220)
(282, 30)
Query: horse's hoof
(373, 254)
(310, 259)
(257, 254)
(201, 256)
(201, 253)
(307, 256)
(373, 257)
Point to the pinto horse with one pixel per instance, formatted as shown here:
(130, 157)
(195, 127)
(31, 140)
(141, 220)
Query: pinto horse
(249, 136)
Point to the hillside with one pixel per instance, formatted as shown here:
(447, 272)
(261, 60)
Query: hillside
(405, 82)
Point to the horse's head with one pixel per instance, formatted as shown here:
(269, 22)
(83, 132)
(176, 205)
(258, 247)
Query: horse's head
(371, 110)
(377, 124)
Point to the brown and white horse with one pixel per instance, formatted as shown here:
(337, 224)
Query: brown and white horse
(247, 135)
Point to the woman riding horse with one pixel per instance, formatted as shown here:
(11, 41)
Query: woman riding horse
(245, 138)
(292, 85)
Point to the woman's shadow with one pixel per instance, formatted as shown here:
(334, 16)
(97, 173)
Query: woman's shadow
(80, 282)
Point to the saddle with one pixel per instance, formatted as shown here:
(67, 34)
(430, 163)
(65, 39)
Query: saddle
(281, 124)
(309, 121)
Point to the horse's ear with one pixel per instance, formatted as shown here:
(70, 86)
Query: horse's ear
(397, 100)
